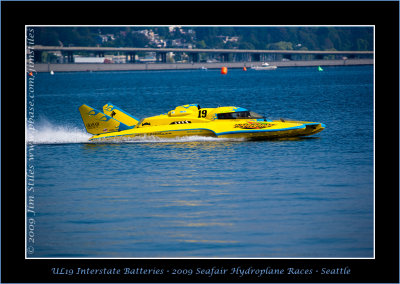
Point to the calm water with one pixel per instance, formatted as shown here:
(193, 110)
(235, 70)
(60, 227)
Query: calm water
(204, 197)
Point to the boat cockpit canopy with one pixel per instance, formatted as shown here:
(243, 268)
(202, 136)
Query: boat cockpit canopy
(239, 115)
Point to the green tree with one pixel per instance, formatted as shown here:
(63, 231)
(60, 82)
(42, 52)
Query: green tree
(281, 45)
(46, 36)
(136, 40)
(201, 44)
(362, 44)
(246, 45)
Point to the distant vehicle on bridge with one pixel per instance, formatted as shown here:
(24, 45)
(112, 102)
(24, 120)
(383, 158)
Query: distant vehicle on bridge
(89, 59)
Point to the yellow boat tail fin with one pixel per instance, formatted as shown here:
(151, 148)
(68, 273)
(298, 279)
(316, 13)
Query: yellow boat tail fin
(97, 122)
(120, 115)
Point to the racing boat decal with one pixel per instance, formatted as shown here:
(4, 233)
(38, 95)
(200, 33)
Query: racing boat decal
(253, 125)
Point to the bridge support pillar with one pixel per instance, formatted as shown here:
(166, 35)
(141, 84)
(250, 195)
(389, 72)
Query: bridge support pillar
(130, 57)
(161, 57)
(70, 57)
(256, 57)
(194, 57)
(263, 57)
(288, 56)
(224, 57)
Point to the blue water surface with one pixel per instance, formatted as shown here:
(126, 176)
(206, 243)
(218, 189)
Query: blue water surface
(206, 197)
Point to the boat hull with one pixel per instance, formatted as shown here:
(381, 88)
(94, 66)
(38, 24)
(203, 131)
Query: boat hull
(294, 129)
(160, 134)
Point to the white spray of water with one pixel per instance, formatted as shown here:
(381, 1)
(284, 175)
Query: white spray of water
(48, 133)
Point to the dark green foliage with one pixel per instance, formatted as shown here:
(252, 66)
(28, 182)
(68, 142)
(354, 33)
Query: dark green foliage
(311, 38)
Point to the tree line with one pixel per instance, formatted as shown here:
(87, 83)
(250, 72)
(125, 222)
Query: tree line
(270, 38)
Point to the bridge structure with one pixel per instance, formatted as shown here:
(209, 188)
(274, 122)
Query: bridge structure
(224, 55)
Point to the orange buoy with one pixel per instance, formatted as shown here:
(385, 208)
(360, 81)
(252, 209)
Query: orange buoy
(224, 70)
(244, 68)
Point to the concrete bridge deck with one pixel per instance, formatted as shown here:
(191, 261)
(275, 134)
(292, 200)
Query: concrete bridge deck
(74, 67)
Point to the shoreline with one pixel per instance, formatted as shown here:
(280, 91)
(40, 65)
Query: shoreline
(90, 67)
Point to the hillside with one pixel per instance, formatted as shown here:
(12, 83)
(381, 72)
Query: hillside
(272, 38)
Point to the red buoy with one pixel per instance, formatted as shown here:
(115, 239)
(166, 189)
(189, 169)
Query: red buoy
(224, 70)
(244, 68)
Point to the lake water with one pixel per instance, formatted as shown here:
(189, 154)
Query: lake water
(205, 197)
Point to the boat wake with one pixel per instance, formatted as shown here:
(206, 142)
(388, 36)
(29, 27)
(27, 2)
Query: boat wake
(184, 139)
(49, 133)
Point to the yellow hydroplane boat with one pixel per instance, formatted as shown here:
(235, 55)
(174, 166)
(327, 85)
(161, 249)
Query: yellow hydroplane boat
(191, 120)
